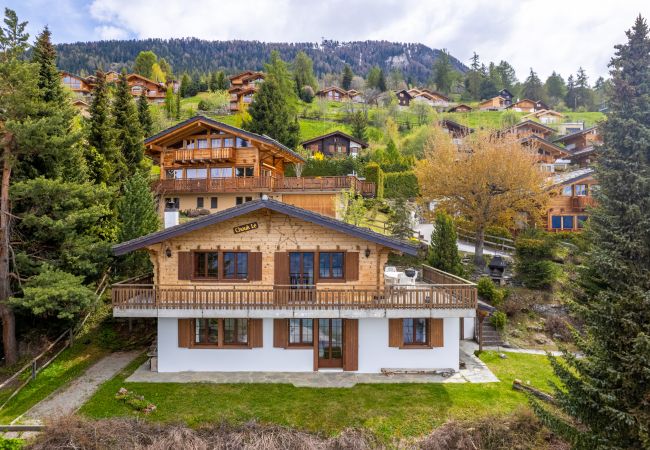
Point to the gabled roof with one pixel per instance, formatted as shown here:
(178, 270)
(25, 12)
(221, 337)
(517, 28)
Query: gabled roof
(137, 75)
(408, 93)
(452, 125)
(571, 177)
(431, 93)
(332, 88)
(335, 133)
(544, 143)
(246, 74)
(272, 205)
(462, 105)
(491, 100)
(542, 112)
(568, 137)
(505, 92)
(530, 123)
(217, 124)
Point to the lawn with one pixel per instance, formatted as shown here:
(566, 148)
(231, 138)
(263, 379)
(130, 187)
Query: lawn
(390, 411)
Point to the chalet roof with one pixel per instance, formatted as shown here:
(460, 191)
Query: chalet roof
(505, 92)
(530, 123)
(63, 72)
(136, 75)
(543, 112)
(332, 88)
(335, 133)
(571, 177)
(433, 93)
(405, 92)
(452, 125)
(246, 74)
(454, 108)
(490, 100)
(217, 124)
(272, 205)
(353, 92)
(545, 143)
(568, 137)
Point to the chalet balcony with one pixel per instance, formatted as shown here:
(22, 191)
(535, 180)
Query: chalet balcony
(199, 155)
(266, 184)
(582, 203)
(439, 290)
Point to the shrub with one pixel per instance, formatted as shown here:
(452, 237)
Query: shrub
(556, 326)
(135, 401)
(203, 106)
(375, 175)
(401, 184)
(498, 320)
(533, 265)
(490, 292)
(307, 94)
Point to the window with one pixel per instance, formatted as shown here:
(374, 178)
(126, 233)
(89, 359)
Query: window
(581, 221)
(206, 265)
(196, 174)
(241, 200)
(242, 143)
(235, 331)
(174, 202)
(136, 90)
(214, 202)
(228, 142)
(202, 143)
(301, 332)
(216, 143)
(567, 191)
(414, 331)
(221, 172)
(581, 190)
(190, 145)
(244, 171)
(556, 222)
(330, 265)
(174, 174)
(235, 265)
(567, 222)
(199, 202)
(206, 331)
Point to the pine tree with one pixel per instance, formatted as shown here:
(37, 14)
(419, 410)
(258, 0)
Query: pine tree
(144, 115)
(381, 82)
(443, 73)
(128, 133)
(359, 125)
(144, 63)
(571, 99)
(222, 81)
(169, 103)
(185, 86)
(399, 221)
(138, 216)
(303, 72)
(103, 157)
(473, 79)
(583, 93)
(443, 251)
(507, 75)
(213, 85)
(555, 88)
(533, 88)
(606, 393)
(346, 77)
(177, 106)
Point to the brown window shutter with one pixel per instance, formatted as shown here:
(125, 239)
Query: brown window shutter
(185, 266)
(280, 333)
(255, 333)
(185, 332)
(395, 332)
(255, 266)
(436, 332)
(350, 344)
(352, 266)
(281, 268)
(315, 352)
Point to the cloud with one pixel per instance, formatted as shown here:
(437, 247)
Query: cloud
(108, 32)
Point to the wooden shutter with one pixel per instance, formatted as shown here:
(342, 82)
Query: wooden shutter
(395, 333)
(350, 344)
(351, 266)
(281, 268)
(185, 332)
(436, 333)
(255, 266)
(315, 335)
(185, 268)
(280, 333)
(255, 333)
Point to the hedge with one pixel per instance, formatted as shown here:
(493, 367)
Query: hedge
(401, 184)
(375, 175)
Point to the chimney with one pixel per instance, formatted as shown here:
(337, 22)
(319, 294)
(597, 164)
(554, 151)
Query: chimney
(172, 216)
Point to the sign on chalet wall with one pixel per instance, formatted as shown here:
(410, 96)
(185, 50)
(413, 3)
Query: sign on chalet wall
(246, 227)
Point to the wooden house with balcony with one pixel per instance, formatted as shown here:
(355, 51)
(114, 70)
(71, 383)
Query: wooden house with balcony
(267, 286)
(545, 116)
(154, 91)
(529, 128)
(243, 87)
(583, 145)
(80, 86)
(493, 104)
(528, 105)
(404, 97)
(461, 108)
(333, 94)
(208, 166)
(336, 143)
(571, 198)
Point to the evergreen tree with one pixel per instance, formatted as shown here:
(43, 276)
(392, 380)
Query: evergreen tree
(169, 103)
(443, 73)
(222, 81)
(571, 99)
(49, 80)
(346, 77)
(583, 93)
(144, 62)
(103, 157)
(381, 82)
(144, 115)
(213, 85)
(443, 251)
(372, 80)
(605, 393)
(533, 88)
(138, 216)
(177, 106)
(303, 72)
(128, 133)
(473, 79)
(359, 125)
(507, 76)
(399, 221)
(555, 88)
(185, 86)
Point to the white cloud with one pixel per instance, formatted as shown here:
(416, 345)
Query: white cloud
(546, 35)
(108, 32)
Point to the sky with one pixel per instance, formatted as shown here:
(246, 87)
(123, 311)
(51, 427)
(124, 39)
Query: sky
(546, 35)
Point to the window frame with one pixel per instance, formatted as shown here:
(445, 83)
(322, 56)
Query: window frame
(200, 202)
(331, 270)
(236, 343)
(220, 278)
(205, 333)
(221, 344)
(414, 344)
(302, 343)
(214, 202)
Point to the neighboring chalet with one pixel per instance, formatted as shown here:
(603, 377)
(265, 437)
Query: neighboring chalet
(269, 287)
(336, 143)
(527, 105)
(333, 94)
(208, 166)
(355, 96)
(82, 106)
(545, 116)
(78, 85)
(83, 87)
(493, 104)
(154, 91)
(507, 96)
(551, 157)
(404, 97)
(569, 128)
(431, 98)
(583, 145)
(243, 87)
(457, 131)
(571, 196)
(528, 128)
(462, 108)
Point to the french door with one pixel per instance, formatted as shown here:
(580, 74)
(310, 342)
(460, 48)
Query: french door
(301, 276)
(330, 343)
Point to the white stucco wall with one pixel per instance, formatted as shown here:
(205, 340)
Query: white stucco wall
(468, 330)
(374, 353)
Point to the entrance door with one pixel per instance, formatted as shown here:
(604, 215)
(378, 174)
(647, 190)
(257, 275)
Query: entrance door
(301, 276)
(330, 343)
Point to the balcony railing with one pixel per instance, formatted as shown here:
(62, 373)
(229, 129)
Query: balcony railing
(199, 155)
(266, 184)
(583, 202)
(146, 296)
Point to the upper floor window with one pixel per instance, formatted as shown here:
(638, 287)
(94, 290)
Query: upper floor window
(202, 143)
(174, 174)
(235, 265)
(580, 190)
(196, 174)
(242, 143)
(414, 331)
(228, 142)
(136, 90)
(73, 83)
(244, 171)
(220, 265)
(330, 265)
(242, 200)
(567, 191)
(220, 172)
(216, 143)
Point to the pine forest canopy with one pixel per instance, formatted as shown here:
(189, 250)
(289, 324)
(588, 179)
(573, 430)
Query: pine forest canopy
(197, 55)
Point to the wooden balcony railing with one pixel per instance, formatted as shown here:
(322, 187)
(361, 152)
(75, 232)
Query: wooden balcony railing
(266, 184)
(583, 202)
(192, 155)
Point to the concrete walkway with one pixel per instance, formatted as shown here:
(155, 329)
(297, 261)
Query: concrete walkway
(475, 371)
(70, 397)
(471, 347)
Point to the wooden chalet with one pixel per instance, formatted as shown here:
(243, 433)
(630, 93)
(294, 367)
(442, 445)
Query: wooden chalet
(82, 106)
(548, 152)
(80, 86)
(457, 130)
(112, 76)
(507, 96)
(580, 140)
(428, 96)
(333, 94)
(462, 108)
(528, 105)
(154, 91)
(243, 87)
(403, 97)
(336, 143)
(544, 116)
(493, 104)
(355, 96)
(571, 198)
(528, 128)
(565, 128)
(206, 165)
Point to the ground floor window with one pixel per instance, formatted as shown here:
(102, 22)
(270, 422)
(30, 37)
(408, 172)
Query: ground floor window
(220, 332)
(235, 331)
(301, 332)
(568, 222)
(206, 331)
(414, 331)
(242, 200)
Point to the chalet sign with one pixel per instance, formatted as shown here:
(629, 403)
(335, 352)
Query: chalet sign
(246, 227)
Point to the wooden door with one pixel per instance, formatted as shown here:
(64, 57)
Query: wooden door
(330, 343)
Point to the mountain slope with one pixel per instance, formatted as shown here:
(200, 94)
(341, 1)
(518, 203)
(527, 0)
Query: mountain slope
(191, 54)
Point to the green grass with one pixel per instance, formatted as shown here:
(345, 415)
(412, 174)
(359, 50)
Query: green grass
(390, 411)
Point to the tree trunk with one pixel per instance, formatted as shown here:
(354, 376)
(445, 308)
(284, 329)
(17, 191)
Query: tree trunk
(6, 313)
(478, 247)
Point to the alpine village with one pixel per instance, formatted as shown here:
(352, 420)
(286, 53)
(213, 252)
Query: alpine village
(296, 248)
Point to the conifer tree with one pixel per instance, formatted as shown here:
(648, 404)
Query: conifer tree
(103, 157)
(359, 125)
(222, 81)
(533, 88)
(144, 115)
(443, 251)
(571, 98)
(606, 393)
(303, 72)
(443, 73)
(346, 77)
(177, 107)
(128, 133)
(213, 84)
